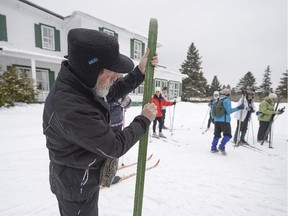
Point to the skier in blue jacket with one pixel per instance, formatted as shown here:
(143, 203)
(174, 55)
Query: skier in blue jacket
(222, 123)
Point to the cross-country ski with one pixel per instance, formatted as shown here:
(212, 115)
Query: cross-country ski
(133, 164)
(128, 176)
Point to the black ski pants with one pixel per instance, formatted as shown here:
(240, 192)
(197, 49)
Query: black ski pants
(263, 126)
(163, 116)
(160, 120)
(88, 207)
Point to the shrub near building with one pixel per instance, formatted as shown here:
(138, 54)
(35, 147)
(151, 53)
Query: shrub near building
(16, 87)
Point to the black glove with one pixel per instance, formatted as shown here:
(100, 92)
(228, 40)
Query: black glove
(174, 102)
(281, 110)
(240, 107)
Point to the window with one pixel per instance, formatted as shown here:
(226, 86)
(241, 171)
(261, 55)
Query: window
(3, 28)
(157, 83)
(109, 32)
(161, 83)
(42, 80)
(42, 77)
(25, 70)
(139, 89)
(174, 89)
(137, 49)
(47, 37)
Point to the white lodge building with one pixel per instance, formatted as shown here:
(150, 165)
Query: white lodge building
(34, 40)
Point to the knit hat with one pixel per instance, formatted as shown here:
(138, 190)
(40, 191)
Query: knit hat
(250, 93)
(225, 91)
(89, 51)
(272, 96)
(157, 89)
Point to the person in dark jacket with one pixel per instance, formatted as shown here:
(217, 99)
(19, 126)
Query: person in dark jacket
(210, 104)
(117, 119)
(222, 123)
(76, 119)
(117, 110)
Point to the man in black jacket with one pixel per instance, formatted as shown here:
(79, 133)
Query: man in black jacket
(76, 118)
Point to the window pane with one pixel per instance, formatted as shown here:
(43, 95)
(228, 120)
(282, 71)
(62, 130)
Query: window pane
(137, 49)
(42, 80)
(109, 32)
(48, 37)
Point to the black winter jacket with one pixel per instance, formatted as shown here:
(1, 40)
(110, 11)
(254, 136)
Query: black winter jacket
(78, 134)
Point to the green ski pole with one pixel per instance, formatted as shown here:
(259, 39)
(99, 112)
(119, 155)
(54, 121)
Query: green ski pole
(142, 152)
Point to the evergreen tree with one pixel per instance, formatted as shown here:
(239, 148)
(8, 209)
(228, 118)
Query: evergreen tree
(265, 87)
(282, 88)
(16, 87)
(195, 85)
(248, 80)
(215, 85)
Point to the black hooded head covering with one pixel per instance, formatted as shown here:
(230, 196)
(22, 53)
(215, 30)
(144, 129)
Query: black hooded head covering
(89, 51)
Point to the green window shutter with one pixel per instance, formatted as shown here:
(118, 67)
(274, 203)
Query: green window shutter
(143, 48)
(57, 40)
(51, 78)
(132, 48)
(101, 29)
(3, 28)
(38, 36)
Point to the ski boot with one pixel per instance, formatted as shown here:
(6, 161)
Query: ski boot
(214, 150)
(155, 135)
(162, 135)
(222, 150)
(116, 179)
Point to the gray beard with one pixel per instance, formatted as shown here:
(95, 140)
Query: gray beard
(102, 90)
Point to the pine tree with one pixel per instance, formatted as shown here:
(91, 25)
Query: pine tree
(195, 85)
(215, 85)
(248, 80)
(282, 88)
(16, 87)
(265, 87)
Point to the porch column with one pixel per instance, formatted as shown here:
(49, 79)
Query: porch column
(33, 69)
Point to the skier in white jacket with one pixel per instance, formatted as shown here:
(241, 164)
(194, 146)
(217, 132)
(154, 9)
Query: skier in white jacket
(244, 115)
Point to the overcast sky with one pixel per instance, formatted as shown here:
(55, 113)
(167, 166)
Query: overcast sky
(232, 36)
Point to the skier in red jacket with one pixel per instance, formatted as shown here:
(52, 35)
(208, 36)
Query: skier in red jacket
(159, 101)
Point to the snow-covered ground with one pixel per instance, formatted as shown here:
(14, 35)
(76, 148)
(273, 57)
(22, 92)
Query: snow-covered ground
(188, 181)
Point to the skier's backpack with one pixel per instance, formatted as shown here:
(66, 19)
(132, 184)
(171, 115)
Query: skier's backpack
(218, 109)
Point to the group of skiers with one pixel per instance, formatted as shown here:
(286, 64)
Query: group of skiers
(242, 113)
